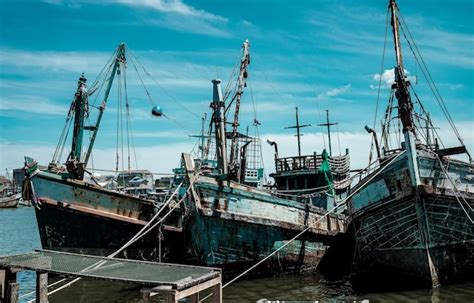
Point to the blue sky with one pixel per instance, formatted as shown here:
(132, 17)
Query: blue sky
(311, 54)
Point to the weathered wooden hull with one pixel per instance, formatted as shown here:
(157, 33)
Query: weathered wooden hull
(80, 218)
(390, 246)
(235, 226)
(68, 229)
(414, 236)
(236, 245)
(10, 202)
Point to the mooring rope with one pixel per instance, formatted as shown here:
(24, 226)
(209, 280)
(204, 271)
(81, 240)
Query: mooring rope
(146, 229)
(50, 285)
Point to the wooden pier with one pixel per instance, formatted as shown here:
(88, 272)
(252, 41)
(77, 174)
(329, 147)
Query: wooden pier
(172, 280)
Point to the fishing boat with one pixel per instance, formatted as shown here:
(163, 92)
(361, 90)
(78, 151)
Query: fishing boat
(228, 219)
(9, 196)
(10, 201)
(412, 216)
(79, 216)
(233, 223)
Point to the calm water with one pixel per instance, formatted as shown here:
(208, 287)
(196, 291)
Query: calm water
(18, 233)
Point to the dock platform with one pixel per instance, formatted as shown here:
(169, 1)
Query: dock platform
(172, 280)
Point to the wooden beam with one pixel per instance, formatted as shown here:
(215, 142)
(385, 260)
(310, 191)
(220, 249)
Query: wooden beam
(198, 288)
(41, 287)
(7, 281)
(2, 284)
(14, 288)
(217, 293)
(194, 298)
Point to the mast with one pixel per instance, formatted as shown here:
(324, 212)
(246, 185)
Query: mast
(405, 105)
(298, 126)
(329, 130)
(241, 83)
(80, 108)
(119, 59)
(201, 137)
(218, 118)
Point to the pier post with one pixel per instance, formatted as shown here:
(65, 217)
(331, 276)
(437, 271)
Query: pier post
(41, 287)
(146, 295)
(217, 293)
(9, 287)
(194, 298)
(14, 288)
(171, 298)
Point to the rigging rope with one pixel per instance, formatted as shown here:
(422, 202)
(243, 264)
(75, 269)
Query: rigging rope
(134, 59)
(379, 87)
(121, 115)
(256, 123)
(426, 113)
(117, 138)
(127, 118)
(429, 79)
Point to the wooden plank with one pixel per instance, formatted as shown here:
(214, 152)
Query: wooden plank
(194, 298)
(9, 278)
(197, 288)
(14, 288)
(217, 293)
(2, 284)
(41, 287)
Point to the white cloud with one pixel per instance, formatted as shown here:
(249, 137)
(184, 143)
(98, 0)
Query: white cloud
(178, 16)
(183, 23)
(171, 6)
(388, 78)
(333, 92)
(338, 90)
(32, 104)
(78, 62)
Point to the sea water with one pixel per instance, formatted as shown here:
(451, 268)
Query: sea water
(19, 234)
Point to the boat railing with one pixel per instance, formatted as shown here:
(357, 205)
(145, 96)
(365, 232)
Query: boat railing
(339, 164)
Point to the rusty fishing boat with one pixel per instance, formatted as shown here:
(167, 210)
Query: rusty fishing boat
(413, 214)
(233, 222)
(81, 216)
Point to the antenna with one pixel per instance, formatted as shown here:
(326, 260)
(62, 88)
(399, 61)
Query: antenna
(328, 124)
(298, 126)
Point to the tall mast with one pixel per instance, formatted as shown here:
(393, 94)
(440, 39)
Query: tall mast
(119, 59)
(241, 83)
(298, 126)
(80, 108)
(405, 106)
(328, 124)
(218, 118)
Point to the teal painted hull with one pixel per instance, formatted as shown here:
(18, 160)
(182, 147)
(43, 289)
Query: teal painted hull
(234, 226)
